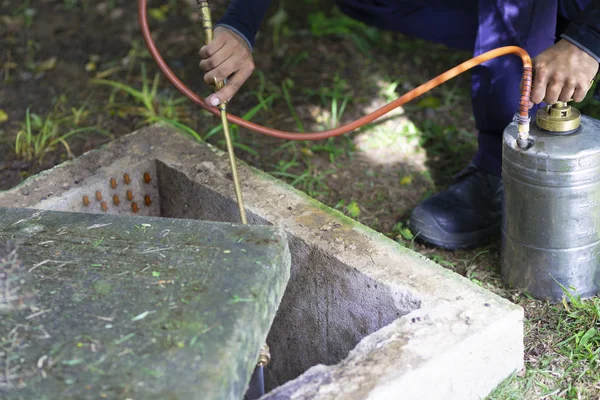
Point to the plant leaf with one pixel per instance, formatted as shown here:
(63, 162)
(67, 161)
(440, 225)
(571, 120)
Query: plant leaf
(353, 209)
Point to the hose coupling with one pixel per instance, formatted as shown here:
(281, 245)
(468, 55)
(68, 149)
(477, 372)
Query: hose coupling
(523, 140)
(264, 357)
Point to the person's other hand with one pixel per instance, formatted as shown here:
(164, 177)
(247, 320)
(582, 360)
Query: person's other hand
(561, 73)
(226, 57)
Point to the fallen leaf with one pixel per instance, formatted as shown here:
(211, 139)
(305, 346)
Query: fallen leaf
(406, 180)
(46, 65)
(306, 151)
(140, 316)
(3, 116)
(91, 66)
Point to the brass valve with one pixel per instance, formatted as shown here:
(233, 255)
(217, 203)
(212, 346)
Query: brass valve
(559, 118)
(264, 356)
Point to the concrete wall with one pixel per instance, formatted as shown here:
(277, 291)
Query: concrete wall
(328, 306)
(422, 331)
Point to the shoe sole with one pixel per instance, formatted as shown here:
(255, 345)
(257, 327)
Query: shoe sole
(452, 241)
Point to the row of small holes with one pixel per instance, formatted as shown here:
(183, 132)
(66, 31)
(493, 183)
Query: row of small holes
(116, 200)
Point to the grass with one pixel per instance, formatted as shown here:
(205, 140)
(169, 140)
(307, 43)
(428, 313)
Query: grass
(151, 107)
(318, 69)
(565, 364)
(40, 136)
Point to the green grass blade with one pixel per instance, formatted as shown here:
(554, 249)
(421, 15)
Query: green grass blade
(178, 125)
(117, 85)
(288, 100)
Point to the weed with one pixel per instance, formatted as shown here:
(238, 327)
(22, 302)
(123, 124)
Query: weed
(294, 60)
(334, 147)
(338, 24)
(335, 99)
(26, 12)
(278, 24)
(399, 231)
(285, 86)
(310, 180)
(154, 108)
(40, 136)
(567, 366)
(439, 259)
(352, 209)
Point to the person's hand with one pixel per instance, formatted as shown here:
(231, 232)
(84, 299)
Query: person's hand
(226, 57)
(561, 73)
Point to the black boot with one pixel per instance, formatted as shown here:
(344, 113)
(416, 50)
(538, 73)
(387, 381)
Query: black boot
(468, 214)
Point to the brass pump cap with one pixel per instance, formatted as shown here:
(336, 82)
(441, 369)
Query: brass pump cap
(559, 118)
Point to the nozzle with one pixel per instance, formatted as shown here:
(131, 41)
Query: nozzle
(523, 140)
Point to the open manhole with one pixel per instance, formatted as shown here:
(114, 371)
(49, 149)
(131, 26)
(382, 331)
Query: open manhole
(382, 318)
(328, 306)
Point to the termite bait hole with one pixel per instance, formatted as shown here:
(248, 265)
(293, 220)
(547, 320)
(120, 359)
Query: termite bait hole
(112, 187)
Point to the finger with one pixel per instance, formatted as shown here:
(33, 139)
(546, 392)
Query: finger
(232, 87)
(540, 82)
(216, 60)
(580, 93)
(553, 90)
(567, 91)
(213, 47)
(219, 57)
(227, 68)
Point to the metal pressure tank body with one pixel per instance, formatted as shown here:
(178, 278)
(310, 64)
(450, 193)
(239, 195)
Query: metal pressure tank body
(551, 216)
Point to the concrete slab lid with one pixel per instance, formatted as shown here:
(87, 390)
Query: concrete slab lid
(135, 307)
(454, 319)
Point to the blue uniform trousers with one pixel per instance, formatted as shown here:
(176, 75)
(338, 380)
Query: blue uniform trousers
(478, 26)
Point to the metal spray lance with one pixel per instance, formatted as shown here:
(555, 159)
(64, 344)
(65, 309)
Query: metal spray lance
(264, 356)
(208, 35)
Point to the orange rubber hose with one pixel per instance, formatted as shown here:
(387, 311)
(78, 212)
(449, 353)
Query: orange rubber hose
(523, 113)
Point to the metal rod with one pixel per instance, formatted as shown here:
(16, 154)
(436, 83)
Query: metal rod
(207, 24)
(264, 355)
(236, 180)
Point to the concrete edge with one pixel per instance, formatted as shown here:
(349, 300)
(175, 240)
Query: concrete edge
(415, 373)
(347, 240)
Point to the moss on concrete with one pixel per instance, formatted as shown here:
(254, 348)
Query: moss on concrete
(137, 307)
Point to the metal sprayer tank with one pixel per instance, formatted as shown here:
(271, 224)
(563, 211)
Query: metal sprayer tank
(551, 216)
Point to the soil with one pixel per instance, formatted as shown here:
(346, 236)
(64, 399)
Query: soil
(385, 175)
(376, 175)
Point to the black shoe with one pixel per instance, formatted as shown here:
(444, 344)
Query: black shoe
(468, 214)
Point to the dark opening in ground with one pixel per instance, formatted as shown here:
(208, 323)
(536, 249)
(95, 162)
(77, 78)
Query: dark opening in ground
(328, 306)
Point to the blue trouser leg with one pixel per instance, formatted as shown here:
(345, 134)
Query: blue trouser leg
(480, 26)
(529, 24)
